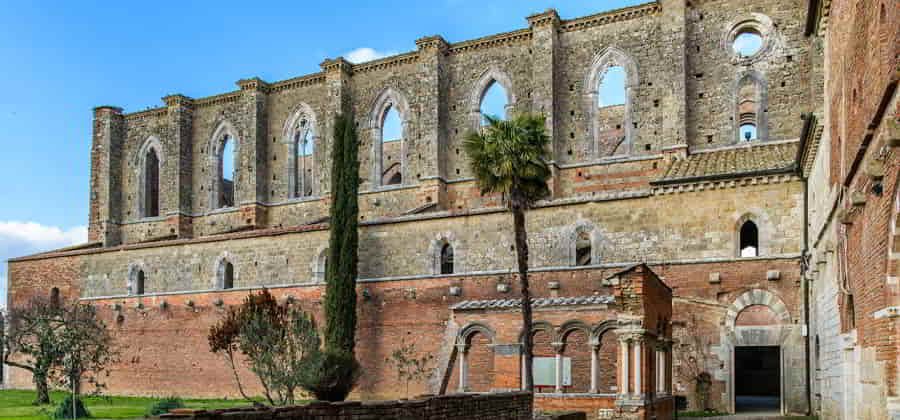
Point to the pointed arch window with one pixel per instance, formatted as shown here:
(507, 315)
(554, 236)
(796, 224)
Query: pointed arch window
(139, 280)
(494, 102)
(610, 87)
(583, 248)
(750, 108)
(151, 183)
(447, 259)
(228, 275)
(389, 125)
(391, 142)
(304, 145)
(749, 239)
(226, 172)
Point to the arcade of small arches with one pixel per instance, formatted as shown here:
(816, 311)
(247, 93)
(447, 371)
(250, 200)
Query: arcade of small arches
(573, 358)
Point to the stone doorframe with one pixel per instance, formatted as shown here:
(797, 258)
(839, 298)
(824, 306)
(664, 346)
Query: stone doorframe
(773, 335)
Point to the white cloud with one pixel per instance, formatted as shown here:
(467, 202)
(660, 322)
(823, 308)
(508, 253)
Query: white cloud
(361, 55)
(24, 238)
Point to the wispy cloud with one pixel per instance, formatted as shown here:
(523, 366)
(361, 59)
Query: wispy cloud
(24, 238)
(361, 55)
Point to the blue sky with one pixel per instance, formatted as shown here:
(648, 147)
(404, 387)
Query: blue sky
(61, 59)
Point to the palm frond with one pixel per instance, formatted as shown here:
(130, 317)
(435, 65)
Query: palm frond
(510, 154)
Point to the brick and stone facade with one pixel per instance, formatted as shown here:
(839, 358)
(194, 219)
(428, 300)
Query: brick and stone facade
(851, 160)
(673, 193)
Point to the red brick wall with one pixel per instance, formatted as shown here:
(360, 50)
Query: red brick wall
(481, 364)
(159, 346)
(863, 41)
(578, 349)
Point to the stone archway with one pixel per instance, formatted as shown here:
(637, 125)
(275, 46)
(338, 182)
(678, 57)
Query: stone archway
(758, 324)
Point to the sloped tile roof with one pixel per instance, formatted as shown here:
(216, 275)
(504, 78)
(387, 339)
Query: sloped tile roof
(741, 160)
(539, 302)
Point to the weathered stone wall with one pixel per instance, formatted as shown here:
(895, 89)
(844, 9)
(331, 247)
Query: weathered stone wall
(551, 67)
(713, 69)
(622, 231)
(687, 232)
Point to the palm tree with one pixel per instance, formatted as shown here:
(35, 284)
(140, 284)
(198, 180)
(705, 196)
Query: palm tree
(507, 157)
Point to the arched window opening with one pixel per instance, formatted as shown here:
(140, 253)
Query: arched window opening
(748, 132)
(228, 276)
(304, 144)
(610, 116)
(226, 172)
(749, 245)
(849, 314)
(748, 107)
(391, 147)
(583, 248)
(493, 102)
(151, 184)
(747, 43)
(139, 283)
(54, 297)
(612, 87)
(447, 259)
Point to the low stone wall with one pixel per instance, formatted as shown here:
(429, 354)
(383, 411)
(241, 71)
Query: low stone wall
(499, 406)
(569, 415)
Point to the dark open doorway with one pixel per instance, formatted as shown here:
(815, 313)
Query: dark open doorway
(757, 375)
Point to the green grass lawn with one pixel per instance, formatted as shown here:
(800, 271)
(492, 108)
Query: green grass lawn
(16, 404)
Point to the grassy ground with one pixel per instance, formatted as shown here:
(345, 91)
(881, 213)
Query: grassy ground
(16, 404)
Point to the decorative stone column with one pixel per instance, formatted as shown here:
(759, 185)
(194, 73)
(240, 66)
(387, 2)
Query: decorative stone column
(624, 356)
(559, 348)
(462, 350)
(638, 365)
(595, 368)
(668, 361)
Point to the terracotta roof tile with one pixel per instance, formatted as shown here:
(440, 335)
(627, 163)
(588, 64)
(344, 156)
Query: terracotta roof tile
(539, 302)
(733, 161)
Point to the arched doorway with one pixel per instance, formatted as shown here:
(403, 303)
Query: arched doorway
(760, 339)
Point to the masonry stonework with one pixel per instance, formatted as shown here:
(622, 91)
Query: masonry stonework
(670, 187)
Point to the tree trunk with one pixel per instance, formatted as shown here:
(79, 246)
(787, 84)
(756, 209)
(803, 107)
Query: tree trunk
(43, 391)
(522, 259)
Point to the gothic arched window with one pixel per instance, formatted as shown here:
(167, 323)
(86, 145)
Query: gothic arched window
(750, 109)
(151, 184)
(304, 144)
(610, 89)
(391, 142)
(583, 248)
(749, 240)
(494, 102)
(228, 275)
(447, 259)
(139, 282)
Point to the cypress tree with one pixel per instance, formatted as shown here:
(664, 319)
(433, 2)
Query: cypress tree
(342, 265)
